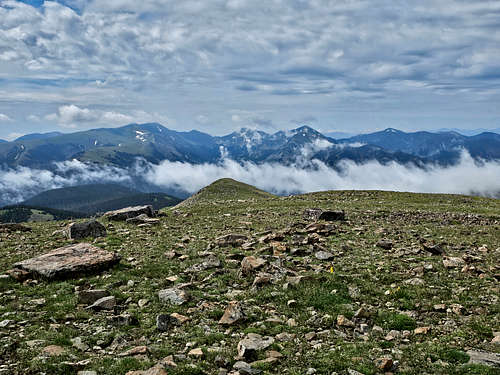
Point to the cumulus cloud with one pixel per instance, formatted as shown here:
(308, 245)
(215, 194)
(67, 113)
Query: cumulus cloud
(349, 56)
(72, 116)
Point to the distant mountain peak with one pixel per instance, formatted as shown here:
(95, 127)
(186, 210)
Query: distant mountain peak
(392, 130)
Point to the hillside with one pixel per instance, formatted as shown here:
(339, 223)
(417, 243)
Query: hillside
(361, 296)
(93, 198)
(225, 189)
(26, 213)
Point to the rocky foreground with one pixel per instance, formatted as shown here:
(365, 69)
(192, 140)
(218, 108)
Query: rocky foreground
(371, 282)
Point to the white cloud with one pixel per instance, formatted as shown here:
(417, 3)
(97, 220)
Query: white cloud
(13, 135)
(464, 178)
(73, 116)
(4, 117)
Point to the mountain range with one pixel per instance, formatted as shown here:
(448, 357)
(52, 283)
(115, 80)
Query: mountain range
(155, 143)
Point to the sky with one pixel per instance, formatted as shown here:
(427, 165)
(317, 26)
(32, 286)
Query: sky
(219, 65)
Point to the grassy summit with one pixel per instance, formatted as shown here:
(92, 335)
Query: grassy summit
(379, 297)
(226, 189)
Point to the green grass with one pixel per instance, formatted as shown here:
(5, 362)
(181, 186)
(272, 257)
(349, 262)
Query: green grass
(363, 273)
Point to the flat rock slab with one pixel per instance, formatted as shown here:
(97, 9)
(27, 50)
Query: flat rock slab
(130, 212)
(484, 358)
(69, 261)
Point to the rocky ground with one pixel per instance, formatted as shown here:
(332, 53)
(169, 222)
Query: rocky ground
(406, 284)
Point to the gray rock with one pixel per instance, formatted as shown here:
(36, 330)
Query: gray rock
(484, 358)
(5, 323)
(173, 296)
(79, 344)
(142, 219)
(232, 239)
(323, 255)
(245, 369)
(129, 212)
(104, 303)
(68, 261)
(251, 344)
(86, 373)
(319, 214)
(92, 228)
(90, 296)
(164, 322)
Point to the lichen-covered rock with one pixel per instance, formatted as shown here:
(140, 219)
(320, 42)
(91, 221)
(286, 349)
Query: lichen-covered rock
(129, 212)
(319, 214)
(68, 261)
(92, 228)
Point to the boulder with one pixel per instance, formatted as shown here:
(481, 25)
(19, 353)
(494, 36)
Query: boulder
(104, 303)
(251, 344)
(92, 228)
(173, 296)
(250, 264)
(129, 212)
(319, 214)
(232, 239)
(233, 314)
(142, 219)
(91, 295)
(68, 261)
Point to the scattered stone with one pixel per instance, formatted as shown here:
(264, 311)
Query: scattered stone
(251, 344)
(232, 239)
(129, 212)
(79, 344)
(92, 228)
(453, 262)
(422, 330)
(233, 314)
(384, 364)
(125, 320)
(342, 321)
(155, 370)
(104, 303)
(385, 244)
(86, 372)
(262, 278)
(164, 322)
(142, 302)
(5, 323)
(196, 353)
(392, 335)
(319, 214)
(244, 368)
(90, 296)
(250, 264)
(484, 358)
(53, 351)
(178, 319)
(69, 261)
(323, 255)
(142, 219)
(440, 307)
(137, 350)
(416, 281)
(432, 248)
(173, 296)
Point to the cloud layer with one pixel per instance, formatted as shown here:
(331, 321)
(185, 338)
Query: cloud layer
(464, 178)
(345, 64)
